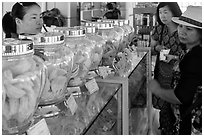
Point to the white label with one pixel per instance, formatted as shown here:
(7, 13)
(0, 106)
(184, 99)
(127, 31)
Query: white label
(92, 86)
(39, 128)
(72, 104)
(72, 90)
(162, 53)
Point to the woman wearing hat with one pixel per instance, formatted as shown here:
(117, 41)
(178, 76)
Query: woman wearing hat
(190, 67)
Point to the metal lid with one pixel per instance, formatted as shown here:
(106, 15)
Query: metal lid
(71, 31)
(104, 25)
(90, 24)
(14, 47)
(116, 22)
(48, 38)
(88, 29)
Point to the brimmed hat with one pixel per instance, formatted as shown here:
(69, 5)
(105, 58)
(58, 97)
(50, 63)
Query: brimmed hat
(191, 17)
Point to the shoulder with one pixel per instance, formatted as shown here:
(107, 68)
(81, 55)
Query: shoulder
(193, 59)
(156, 32)
(195, 53)
(158, 28)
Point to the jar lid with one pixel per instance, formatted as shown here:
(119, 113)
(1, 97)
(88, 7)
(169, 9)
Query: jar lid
(14, 47)
(104, 25)
(71, 31)
(90, 24)
(23, 37)
(48, 38)
(116, 22)
(122, 22)
(90, 29)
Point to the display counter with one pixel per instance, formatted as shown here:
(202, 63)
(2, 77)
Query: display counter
(104, 111)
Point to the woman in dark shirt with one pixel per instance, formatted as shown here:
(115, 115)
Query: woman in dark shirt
(190, 34)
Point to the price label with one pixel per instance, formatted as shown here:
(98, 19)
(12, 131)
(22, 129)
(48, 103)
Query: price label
(92, 86)
(39, 128)
(71, 104)
(73, 90)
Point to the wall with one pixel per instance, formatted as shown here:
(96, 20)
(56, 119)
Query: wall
(7, 6)
(68, 9)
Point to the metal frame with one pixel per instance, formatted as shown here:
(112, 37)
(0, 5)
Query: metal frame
(123, 96)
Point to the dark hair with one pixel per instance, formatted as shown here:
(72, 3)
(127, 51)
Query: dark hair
(109, 6)
(19, 9)
(173, 7)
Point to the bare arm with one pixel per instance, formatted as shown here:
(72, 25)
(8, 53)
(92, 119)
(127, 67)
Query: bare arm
(168, 95)
(165, 94)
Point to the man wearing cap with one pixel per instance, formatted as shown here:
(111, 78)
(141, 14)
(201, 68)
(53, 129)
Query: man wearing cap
(190, 69)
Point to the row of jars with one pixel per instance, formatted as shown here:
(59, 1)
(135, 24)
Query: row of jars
(37, 69)
(116, 33)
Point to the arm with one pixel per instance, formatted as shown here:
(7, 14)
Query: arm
(153, 43)
(171, 57)
(165, 94)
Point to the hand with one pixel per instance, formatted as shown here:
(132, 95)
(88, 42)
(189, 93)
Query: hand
(170, 57)
(159, 47)
(154, 86)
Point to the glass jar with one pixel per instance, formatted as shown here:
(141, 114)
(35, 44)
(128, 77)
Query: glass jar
(50, 46)
(121, 32)
(129, 31)
(23, 79)
(112, 39)
(82, 48)
(122, 63)
(99, 44)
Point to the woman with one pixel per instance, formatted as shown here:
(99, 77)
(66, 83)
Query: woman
(165, 36)
(25, 18)
(190, 66)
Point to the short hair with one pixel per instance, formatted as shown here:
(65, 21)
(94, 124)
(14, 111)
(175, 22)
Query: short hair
(109, 6)
(173, 7)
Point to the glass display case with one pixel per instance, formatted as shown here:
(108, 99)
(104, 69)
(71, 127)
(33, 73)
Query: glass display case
(107, 109)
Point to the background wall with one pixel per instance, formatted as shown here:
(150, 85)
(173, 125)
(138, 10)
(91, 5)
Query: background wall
(71, 9)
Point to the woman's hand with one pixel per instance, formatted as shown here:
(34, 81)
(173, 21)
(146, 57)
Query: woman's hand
(154, 86)
(158, 48)
(170, 57)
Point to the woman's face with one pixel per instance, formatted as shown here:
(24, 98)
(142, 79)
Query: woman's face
(32, 21)
(165, 15)
(188, 35)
